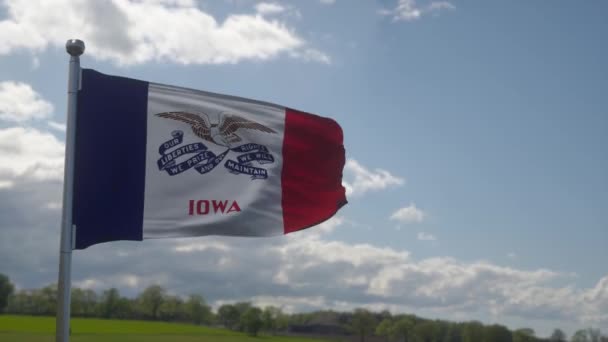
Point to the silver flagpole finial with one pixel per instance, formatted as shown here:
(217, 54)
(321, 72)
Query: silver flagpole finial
(75, 47)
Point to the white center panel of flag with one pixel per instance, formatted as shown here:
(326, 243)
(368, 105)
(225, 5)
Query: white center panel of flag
(213, 165)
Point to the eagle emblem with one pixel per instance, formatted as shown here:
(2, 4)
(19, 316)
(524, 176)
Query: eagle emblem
(177, 157)
(222, 132)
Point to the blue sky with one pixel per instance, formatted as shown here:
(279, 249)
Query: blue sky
(476, 134)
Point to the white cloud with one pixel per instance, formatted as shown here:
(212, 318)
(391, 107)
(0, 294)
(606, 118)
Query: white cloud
(58, 126)
(30, 154)
(409, 214)
(200, 246)
(287, 303)
(269, 8)
(312, 55)
(327, 2)
(440, 5)
(329, 225)
(133, 32)
(358, 180)
(19, 103)
(124, 280)
(422, 236)
(302, 271)
(409, 10)
(5, 184)
(88, 284)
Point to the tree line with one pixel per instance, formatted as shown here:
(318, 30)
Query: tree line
(155, 303)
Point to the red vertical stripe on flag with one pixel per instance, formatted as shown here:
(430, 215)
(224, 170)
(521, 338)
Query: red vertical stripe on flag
(313, 159)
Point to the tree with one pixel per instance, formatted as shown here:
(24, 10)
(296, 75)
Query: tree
(524, 335)
(83, 302)
(151, 300)
(402, 328)
(385, 328)
(441, 330)
(384, 314)
(77, 302)
(453, 334)
(496, 333)
(45, 300)
(20, 303)
(124, 308)
(241, 308)
(109, 303)
(580, 336)
(228, 316)
(558, 336)
(251, 321)
(425, 331)
(6, 289)
(363, 323)
(472, 332)
(197, 310)
(272, 318)
(172, 309)
(594, 335)
(90, 303)
(281, 321)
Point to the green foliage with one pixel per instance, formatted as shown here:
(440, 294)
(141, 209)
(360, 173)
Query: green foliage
(228, 316)
(385, 328)
(496, 333)
(197, 310)
(274, 319)
(441, 329)
(154, 303)
(34, 302)
(6, 289)
(281, 321)
(251, 321)
(558, 336)
(425, 331)
(472, 332)
(84, 302)
(402, 328)
(172, 309)
(363, 323)
(594, 335)
(110, 303)
(589, 335)
(453, 333)
(151, 300)
(580, 336)
(241, 307)
(524, 335)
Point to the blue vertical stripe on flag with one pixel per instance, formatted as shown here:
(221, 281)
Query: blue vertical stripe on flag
(110, 159)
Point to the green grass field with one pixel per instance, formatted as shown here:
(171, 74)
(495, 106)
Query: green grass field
(42, 329)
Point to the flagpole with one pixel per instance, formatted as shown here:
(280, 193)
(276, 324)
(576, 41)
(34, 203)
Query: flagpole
(74, 48)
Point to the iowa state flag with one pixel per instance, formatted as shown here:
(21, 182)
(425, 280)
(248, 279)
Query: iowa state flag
(157, 161)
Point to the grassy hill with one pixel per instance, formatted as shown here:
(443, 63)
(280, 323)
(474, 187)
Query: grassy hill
(42, 329)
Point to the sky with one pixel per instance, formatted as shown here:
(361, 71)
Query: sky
(475, 131)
